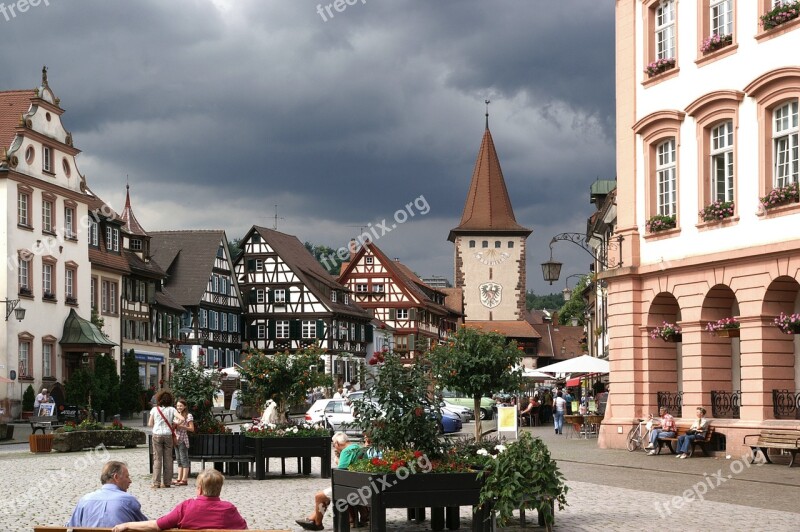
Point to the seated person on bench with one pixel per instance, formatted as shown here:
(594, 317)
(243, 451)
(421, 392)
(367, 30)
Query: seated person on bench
(111, 504)
(665, 428)
(696, 432)
(206, 510)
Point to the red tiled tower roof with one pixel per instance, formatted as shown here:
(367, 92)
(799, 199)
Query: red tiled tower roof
(488, 207)
(132, 224)
(13, 104)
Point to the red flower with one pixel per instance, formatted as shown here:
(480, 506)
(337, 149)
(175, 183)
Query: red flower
(376, 461)
(397, 465)
(372, 361)
(418, 411)
(417, 454)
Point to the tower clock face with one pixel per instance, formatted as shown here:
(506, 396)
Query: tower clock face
(491, 294)
(491, 257)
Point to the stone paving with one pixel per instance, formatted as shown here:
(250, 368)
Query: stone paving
(608, 490)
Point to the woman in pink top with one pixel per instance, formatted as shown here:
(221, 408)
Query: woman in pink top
(206, 510)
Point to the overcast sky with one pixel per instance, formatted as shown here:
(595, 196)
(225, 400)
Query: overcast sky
(215, 111)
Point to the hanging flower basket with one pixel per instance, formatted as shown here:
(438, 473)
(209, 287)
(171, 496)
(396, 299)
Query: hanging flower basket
(727, 327)
(669, 332)
(788, 323)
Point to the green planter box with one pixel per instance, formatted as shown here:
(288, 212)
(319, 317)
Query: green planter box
(302, 448)
(438, 491)
(78, 440)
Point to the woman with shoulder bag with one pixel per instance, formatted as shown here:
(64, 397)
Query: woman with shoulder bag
(184, 424)
(161, 419)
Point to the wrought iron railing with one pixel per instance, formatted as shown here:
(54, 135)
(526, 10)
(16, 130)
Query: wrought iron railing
(786, 404)
(672, 401)
(725, 404)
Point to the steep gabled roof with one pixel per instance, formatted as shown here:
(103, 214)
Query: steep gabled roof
(488, 207)
(13, 104)
(148, 269)
(101, 257)
(509, 328)
(132, 225)
(295, 255)
(188, 257)
(164, 298)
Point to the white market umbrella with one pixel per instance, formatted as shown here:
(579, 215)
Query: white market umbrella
(535, 374)
(581, 364)
(231, 372)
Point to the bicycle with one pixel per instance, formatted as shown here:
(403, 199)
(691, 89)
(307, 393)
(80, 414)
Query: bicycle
(637, 437)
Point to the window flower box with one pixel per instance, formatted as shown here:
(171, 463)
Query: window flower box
(780, 15)
(49, 296)
(660, 222)
(715, 42)
(659, 66)
(781, 196)
(788, 323)
(669, 332)
(727, 327)
(23, 291)
(72, 300)
(716, 211)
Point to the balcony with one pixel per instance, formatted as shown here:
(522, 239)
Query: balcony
(786, 404)
(725, 404)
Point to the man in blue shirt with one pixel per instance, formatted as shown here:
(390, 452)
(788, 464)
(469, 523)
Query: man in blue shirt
(111, 504)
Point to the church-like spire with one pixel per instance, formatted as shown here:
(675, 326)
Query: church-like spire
(488, 207)
(132, 225)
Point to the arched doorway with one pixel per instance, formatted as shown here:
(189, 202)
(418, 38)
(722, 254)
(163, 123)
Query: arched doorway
(662, 363)
(780, 372)
(723, 347)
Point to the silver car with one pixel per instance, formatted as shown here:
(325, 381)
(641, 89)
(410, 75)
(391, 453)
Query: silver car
(464, 413)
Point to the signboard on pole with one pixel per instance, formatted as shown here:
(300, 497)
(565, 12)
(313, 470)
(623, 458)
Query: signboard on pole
(507, 419)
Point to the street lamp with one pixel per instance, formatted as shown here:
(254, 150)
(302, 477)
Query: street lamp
(567, 291)
(551, 269)
(11, 306)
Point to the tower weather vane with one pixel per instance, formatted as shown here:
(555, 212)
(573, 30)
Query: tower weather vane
(487, 112)
(275, 222)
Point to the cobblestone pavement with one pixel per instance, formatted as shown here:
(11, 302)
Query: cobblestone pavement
(608, 490)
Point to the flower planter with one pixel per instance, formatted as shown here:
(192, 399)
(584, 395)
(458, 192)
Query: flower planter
(41, 443)
(302, 448)
(728, 333)
(415, 491)
(77, 440)
(674, 339)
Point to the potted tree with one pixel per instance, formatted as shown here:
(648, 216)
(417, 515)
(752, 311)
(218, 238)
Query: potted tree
(28, 398)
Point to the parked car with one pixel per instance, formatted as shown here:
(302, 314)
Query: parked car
(449, 423)
(486, 402)
(466, 414)
(338, 416)
(316, 412)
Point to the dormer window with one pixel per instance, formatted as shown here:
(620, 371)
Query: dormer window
(47, 159)
(112, 239)
(136, 244)
(368, 260)
(333, 296)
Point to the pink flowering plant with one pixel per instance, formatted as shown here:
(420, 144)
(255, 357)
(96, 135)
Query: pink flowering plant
(781, 196)
(723, 324)
(715, 42)
(661, 65)
(780, 15)
(660, 222)
(284, 430)
(718, 210)
(788, 323)
(666, 331)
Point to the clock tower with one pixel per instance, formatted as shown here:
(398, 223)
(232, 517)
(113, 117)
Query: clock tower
(490, 245)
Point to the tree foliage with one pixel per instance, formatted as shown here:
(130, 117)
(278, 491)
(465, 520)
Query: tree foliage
(28, 399)
(130, 389)
(400, 411)
(106, 385)
(550, 301)
(197, 385)
(477, 364)
(327, 257)
(284, 377)
(78, 387)
(576, 306)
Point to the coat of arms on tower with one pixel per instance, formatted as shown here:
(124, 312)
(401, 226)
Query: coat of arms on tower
(491, 294)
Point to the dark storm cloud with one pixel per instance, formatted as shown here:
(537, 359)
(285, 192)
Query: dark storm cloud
(218, 110)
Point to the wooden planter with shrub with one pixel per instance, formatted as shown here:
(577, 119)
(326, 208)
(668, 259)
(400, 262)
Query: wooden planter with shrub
(78, 440)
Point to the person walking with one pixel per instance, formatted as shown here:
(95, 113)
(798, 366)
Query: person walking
(184, 424)
(162, 419)
(559, 409)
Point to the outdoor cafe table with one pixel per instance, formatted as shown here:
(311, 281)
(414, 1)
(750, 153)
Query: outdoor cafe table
(575, 425)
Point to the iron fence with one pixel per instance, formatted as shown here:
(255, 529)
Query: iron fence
(786, 404)
(672, 401)
(725, 404)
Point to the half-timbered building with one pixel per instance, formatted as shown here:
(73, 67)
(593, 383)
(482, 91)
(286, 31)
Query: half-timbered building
(200, 277)
(291, 302)
(398, 297)
(150, 316)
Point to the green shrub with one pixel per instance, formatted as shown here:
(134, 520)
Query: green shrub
(130, 389)
(28, 398)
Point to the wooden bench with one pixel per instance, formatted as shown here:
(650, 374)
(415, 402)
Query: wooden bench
(44, 423)
(221, 413)
(82, 529)
(681, 430)
(786, 439)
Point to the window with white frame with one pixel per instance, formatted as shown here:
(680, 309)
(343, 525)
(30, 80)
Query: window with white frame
(233, 323)
(47, 279)
(92, 232)
(377, 288)
(69, 283)
(333, 296)
(722, 161)
(47, 216)
(665, 30)
(23, 208)
(25, 358)
(665, 177)
(368, 260)
(69, 222)
(262, 331)
(259, 265)
(204, 318)
(402, 314)
(47, 360)
(279, 295)
(282, 329)
(93, 292)
(721, 17)
(260, 295)
(785, 144)
(112, 297)
(362, 287)
(24, 274)
(47, 159)
(309, 329)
